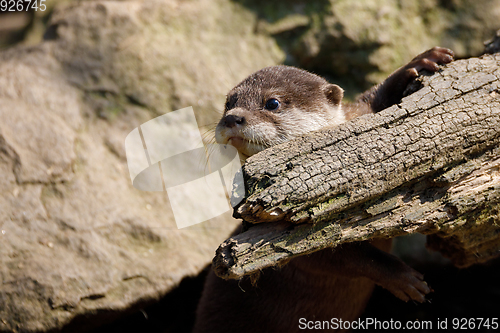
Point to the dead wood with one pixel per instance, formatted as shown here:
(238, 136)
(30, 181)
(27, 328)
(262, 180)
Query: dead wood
(430, 164)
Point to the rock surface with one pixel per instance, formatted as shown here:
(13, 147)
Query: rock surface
(77, 240)
(361, 42)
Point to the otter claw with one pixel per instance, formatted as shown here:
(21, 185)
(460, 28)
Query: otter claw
(430, 59)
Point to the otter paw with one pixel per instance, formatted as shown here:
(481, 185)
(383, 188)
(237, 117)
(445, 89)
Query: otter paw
(430, 59)
(256, 214)
(408, 284)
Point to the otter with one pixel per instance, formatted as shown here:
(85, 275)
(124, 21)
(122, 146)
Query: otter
(272, 106)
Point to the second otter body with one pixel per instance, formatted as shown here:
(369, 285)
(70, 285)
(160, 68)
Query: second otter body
(271, 106)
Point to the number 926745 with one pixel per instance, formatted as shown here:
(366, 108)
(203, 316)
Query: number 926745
(22, 5)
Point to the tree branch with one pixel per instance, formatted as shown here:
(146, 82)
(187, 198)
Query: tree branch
(430, 165)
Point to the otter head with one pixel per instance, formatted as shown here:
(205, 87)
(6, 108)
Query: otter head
(277, 104)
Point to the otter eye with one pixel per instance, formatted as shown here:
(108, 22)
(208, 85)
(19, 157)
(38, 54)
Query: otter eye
(272, 104)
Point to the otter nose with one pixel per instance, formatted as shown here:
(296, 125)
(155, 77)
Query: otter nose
(232, 120)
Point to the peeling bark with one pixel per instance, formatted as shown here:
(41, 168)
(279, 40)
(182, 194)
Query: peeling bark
(430, 164)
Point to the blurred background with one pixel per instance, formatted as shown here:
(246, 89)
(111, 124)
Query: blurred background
(81, 249)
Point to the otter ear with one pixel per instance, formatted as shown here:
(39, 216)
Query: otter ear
(334, 93)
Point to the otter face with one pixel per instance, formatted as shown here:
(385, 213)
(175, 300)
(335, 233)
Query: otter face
(277, 104)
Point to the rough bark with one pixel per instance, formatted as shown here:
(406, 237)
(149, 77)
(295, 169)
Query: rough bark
(430, 164)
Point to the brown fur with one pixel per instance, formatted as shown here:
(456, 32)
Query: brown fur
(331, 283)
(307, 287)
